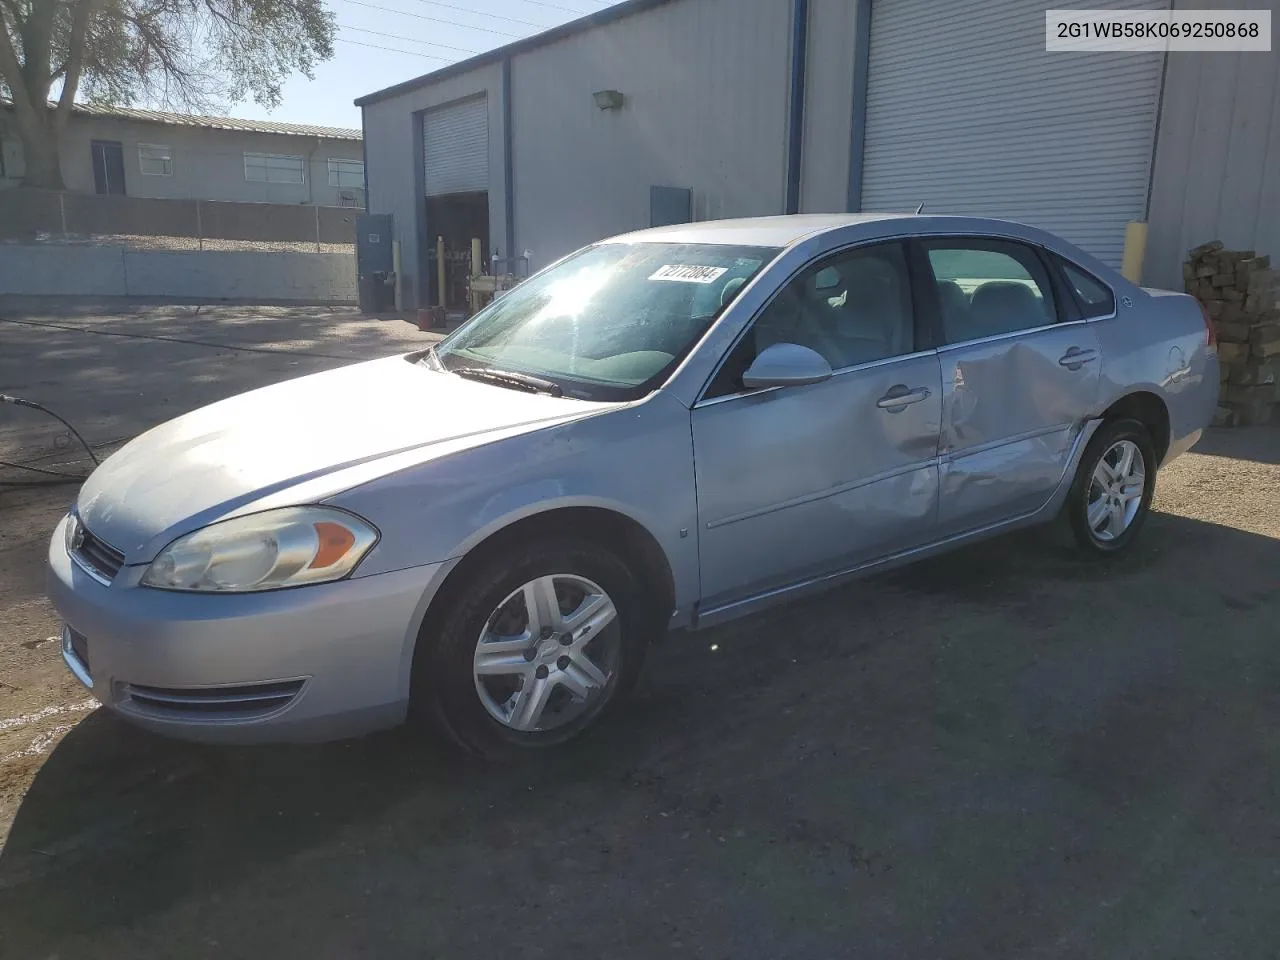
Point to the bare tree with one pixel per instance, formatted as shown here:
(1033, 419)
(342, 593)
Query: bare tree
(187, 53)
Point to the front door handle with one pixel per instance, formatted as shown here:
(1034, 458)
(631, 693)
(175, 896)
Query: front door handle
(1075, 358)
(901, 396)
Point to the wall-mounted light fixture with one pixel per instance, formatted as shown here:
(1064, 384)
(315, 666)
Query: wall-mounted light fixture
(608, 99)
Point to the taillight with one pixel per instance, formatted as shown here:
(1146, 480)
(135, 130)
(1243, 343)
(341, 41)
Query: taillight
(1210, 334)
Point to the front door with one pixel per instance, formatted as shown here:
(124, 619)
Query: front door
(108, 166)
(1018, 381)
(798, 481)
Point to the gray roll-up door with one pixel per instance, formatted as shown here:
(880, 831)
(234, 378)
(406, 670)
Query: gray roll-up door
(456, 148)
(968, 113)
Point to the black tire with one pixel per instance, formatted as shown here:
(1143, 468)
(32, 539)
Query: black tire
(1088, 543)
(444, 695)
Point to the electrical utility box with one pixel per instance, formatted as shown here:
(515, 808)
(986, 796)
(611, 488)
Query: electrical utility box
(373, 243)
(375, 281)
(670, 205)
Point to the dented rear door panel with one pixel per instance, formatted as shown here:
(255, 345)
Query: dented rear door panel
(1011, 409)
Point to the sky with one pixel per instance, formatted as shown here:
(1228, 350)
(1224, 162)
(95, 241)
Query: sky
(383, 42)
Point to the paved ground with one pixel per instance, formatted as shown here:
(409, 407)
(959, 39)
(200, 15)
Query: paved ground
(1000, 753)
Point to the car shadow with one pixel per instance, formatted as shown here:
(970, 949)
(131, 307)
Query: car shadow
(996, 752)
(1259, 444)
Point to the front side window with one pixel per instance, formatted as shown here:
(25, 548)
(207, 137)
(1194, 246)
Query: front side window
(852, 308)
(155, 160)
(987, 288)
(1096, 298)
(272, 168)
(346, 173)
(610, 322)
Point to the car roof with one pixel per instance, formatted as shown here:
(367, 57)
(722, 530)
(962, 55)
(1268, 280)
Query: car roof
(752, 231)
(785, 230)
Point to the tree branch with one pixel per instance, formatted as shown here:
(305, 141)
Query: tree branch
(75, 62)
(11, 70)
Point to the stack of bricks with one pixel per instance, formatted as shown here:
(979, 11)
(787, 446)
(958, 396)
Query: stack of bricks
(1241, 294)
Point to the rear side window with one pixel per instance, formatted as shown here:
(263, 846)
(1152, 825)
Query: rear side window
(987, 288)
(1096, 298)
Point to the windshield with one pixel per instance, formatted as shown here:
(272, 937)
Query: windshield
(610, 322)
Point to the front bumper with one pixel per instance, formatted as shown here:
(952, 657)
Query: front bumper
(309, 663)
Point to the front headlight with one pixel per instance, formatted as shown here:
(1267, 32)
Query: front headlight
(288, 547)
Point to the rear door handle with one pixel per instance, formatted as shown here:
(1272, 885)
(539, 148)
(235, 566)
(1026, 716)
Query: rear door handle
(901, 396)
(1075, 358)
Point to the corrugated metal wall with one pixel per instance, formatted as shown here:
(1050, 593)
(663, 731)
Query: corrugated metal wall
(967, 113)
(1217, 170)
(455, 145)
(706, 107)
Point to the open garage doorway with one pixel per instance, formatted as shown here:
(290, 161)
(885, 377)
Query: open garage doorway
(455, 153)
(458, 218)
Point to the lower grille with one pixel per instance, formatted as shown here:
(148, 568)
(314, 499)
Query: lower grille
(247, 702)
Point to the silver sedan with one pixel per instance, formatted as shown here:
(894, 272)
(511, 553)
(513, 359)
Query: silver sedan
(668, 429)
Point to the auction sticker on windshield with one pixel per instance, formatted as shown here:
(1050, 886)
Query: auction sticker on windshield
(684, 273)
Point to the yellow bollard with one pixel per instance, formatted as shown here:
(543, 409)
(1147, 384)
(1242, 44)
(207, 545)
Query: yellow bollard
(1135, 249)
(395, 269)
(440, 277)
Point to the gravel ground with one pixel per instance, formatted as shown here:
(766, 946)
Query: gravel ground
(998, 753)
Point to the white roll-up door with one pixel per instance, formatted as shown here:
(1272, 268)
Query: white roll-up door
(455, 148)
(967, 113)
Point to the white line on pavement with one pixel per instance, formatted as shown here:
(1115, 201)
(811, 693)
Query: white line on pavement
(14, 722)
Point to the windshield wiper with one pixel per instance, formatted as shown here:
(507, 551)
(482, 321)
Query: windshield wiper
(508, 378)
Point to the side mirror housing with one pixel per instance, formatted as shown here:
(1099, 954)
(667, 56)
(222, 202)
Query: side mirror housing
(786, 365)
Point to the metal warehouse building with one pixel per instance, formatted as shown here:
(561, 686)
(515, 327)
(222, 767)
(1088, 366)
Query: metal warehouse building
(658, 111)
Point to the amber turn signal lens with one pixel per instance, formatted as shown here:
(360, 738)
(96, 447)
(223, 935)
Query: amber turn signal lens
(335, 541)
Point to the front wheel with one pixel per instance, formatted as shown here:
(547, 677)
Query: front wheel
(1111, 495)
(533, 648)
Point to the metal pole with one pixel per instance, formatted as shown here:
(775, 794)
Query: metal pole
(199, 226)
(317, 209)
(62, 211)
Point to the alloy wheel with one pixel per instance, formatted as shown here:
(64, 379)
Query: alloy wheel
(1116, 490)
(548, 653)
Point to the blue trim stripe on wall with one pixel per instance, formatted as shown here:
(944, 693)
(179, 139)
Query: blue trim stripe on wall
(508, 166)
(795, 122)
(421, 297)
(858, 126)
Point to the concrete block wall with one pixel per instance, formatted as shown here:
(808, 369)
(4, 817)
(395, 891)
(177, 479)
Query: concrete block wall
(177, 275)
(70, 271)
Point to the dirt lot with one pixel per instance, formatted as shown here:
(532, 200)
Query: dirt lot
(998, 753)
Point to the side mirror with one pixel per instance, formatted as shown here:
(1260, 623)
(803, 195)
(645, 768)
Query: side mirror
(786, 365)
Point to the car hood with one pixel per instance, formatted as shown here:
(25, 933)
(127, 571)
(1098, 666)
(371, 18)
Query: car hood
(308, 434)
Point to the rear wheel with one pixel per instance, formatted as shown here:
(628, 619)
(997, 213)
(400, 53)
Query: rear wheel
(533, 648)
(1111, 495)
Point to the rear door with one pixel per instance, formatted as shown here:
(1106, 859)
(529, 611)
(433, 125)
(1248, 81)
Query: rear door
(1020, 375)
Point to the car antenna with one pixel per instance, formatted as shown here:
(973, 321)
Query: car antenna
(919, 208)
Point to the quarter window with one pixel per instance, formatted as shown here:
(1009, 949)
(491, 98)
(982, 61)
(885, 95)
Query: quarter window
(852, 308)
(155, 160)
(987, 288)
(272, 168)
(1096, 298)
